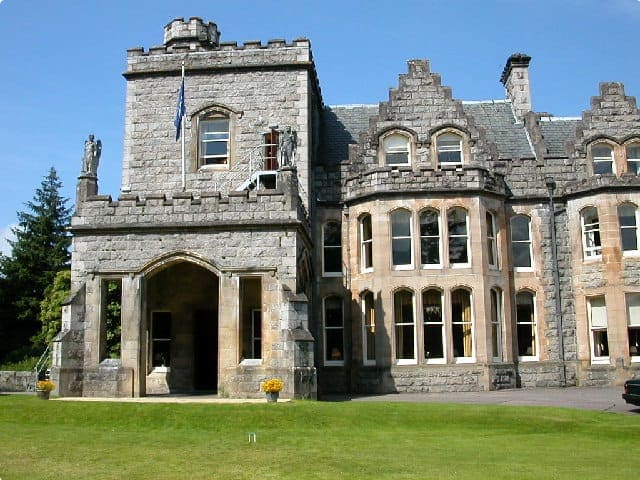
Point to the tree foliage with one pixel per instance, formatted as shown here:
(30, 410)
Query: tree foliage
(51, 306)
(40, 250)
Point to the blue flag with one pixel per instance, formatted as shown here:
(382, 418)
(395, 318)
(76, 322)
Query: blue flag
(180, 111)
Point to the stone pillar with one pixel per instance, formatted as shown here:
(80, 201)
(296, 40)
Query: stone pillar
(132, 353)
(87, 187)
(515, 78)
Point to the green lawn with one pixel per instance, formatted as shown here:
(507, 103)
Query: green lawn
(300, 440)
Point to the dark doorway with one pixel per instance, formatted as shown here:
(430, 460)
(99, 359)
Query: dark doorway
(205, 350)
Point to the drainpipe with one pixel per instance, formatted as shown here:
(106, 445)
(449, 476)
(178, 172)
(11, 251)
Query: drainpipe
(551, 185)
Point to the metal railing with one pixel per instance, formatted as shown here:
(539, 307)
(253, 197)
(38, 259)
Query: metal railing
(42, 362)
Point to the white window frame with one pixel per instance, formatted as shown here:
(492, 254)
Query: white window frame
(391, 145)
(438, 236)
(466, 235)
(326, 360)
(365, 326)
(402, 266)
(447, 145)
(472, 357)
(633, 158)
(441, 323)
(218, 161)
(634, 227)
(602, 326)
(528, 242)
(599, 158)
(331, 248)
(366, 244)
(591, 237)
(401, 325)
(496, 320)
(532, 324)
(633, 324)
(492, 241)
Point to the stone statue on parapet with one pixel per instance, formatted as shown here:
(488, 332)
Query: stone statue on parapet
(287, 144)
(91, 158)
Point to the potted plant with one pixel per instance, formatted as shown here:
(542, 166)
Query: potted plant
(44, 388)
(272, 388)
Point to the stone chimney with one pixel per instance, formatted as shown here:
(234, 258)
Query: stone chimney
(193, 33)
(515, 78)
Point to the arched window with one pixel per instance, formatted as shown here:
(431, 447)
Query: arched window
(591, 244)
(366, 243)
(526, 325)
(401, 244)
(457, 228)
(602, 156)
(433, 325)
(213, 140)
(633, 158)
(628, 219)
(492, 240)
(521, 242)
(430, 237)
(331, 249)
(495, 297)
(396, 149)
(368, 328)
(333, 331)
(449, 147)
(404, 320)
(461, 324)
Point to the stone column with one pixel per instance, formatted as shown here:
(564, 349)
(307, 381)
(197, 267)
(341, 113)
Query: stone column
(132, 353)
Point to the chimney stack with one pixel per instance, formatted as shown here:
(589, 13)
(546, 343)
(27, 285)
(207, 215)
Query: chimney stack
(515, 78)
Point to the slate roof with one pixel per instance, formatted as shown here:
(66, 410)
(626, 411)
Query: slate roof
(497, 119)
(342, 125)
(556, 131)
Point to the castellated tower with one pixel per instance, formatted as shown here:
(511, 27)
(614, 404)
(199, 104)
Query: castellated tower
(206, 249)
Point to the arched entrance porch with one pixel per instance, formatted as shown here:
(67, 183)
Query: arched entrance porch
(181, 309)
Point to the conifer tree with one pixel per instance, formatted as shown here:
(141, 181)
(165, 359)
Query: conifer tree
(40, 250)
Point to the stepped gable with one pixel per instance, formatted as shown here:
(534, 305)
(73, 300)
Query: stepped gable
(612, 115)
(421, 106)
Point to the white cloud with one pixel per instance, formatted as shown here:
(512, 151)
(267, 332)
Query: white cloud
(6, 234)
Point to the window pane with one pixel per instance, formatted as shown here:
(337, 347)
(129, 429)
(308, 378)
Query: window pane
(430, 251)
(161, 327)
(334, 351)
(161, 353)
(521, 255)
(333, 312)
(429, 223)
(215, 148)
(598, 312)
(633, 308)
(366, 228)
(369, 326)
(601, 152)
(433, 325)
(332, 235)
(457, 221)
(461, 327)
(433, 342)
(400, 224)
(458, 250)
(520, 228)
(403, 306)
(397, 158)
(332, 260)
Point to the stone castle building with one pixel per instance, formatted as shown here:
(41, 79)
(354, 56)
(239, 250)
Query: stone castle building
(420, 244)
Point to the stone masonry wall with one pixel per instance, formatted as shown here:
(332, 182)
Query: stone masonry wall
(259, 85)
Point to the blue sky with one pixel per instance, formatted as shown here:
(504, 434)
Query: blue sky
(62, 62)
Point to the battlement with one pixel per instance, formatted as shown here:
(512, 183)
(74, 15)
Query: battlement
(192, 33)
(186, 209)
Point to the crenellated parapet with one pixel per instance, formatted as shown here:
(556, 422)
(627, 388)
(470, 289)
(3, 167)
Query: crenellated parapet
(405, 181)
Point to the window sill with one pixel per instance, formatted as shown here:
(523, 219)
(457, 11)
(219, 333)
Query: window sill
(592, 259)
(432, 266)
(458, 360)
(409, 361)
(399, 268)
(372, 363)
(600, 361)
(332, 274)
(460, 265)
(528, 359)
(435, 361)
(334, 363)
(635, 359)
(161, 370)
(251, 362)
(523, 269)
(367, 270)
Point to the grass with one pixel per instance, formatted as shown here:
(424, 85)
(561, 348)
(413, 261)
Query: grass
(310, 440)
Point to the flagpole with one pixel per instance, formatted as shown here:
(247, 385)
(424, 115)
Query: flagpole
(184, 166)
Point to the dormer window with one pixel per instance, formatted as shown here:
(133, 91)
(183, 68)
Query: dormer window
(396, 149)
(602, 156)
(633, 158)
(449, 147)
